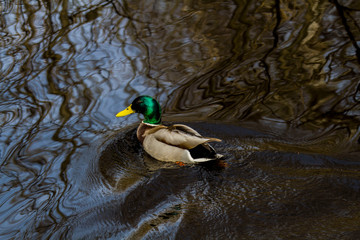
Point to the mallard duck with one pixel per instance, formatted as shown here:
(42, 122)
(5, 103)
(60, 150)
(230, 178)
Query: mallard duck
(175, 143)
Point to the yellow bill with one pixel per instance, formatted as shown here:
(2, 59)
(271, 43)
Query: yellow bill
(125, 112)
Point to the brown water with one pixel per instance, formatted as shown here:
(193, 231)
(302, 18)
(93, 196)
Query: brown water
(278, 81)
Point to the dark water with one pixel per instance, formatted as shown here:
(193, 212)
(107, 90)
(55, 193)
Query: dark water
(278, 81)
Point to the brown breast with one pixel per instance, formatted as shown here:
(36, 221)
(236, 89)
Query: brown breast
(143, 127)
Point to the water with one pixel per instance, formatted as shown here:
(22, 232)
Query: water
(278, 81)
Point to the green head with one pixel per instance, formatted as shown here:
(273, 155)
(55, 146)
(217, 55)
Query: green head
(145, 105)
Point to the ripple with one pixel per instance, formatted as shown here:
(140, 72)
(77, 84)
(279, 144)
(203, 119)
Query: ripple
(276, 81)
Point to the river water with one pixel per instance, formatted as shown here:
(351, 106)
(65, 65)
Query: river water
(277, 80)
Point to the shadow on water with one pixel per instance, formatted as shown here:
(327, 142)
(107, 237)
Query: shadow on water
(277, 81)
(143, 195)
(135, 196)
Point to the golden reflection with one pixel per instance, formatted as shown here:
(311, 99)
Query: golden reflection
(289, 68)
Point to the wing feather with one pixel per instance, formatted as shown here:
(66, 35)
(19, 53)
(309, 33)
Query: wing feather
(180, 136)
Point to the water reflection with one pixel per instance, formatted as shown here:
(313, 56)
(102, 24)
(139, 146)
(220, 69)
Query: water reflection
(293, 71)
(288, 70)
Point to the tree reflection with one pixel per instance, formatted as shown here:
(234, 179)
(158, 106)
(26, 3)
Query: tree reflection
(67, 67)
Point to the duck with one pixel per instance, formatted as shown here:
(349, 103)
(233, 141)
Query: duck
(175, 143)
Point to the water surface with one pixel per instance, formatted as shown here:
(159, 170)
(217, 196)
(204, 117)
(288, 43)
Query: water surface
(278, 81)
